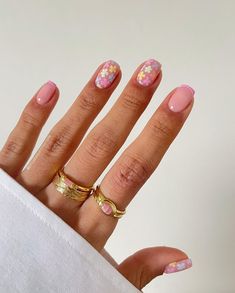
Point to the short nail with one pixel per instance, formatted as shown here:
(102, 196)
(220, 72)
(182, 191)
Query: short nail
(46, 92)
(181, 98)
(107, 74)
(178, 266)
(149, 72)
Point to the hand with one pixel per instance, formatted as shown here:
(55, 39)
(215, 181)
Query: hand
(84, 164)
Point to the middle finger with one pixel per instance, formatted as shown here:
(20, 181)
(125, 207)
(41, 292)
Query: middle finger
(106, 138)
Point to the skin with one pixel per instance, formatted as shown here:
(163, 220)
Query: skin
(85, 162)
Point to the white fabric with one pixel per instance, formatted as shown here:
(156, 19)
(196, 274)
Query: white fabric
(39, 252)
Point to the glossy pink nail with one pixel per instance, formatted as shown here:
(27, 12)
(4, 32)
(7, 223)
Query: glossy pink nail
(46, 92)
(107, 74)
(149, 72)
(178, 266)
(181, 98)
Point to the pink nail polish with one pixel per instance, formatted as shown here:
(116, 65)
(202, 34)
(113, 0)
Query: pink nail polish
(181, 98)
(46, 92)
(178, 266)
(107, 74)
(149, 72)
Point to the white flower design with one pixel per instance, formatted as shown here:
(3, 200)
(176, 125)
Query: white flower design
(148, 69)
(104, 72)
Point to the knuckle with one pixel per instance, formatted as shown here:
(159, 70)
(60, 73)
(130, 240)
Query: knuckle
(29, 122)
(16, 143)
(57, 142)
(101, 144)
(143, 274)
(132, 171)
(87, 101)
(72, 119)
(130, 101)
(160, 129)
(15, 146)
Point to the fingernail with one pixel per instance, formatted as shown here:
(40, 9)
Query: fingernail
(46, 93)
(149, 72)
(107, 74)
(178, 266)
(181, 98)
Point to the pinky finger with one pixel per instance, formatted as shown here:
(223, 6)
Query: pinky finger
(23, 137)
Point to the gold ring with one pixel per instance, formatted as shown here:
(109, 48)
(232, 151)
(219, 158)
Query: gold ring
(106, 204)
(70, 189)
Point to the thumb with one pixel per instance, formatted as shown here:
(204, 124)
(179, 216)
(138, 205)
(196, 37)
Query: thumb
(146, 264)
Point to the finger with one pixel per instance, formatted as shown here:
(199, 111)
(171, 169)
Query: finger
(146, 264)
(106, 138)
(136, 164)
(65, 136)
(104, 141)
(23, 137)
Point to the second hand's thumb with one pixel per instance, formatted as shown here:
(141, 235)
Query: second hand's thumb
(146, 264)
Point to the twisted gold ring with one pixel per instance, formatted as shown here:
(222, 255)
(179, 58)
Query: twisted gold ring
(106, 204)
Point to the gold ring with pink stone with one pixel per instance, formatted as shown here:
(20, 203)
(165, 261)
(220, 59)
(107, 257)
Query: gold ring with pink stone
(107, 206)
(70, 189)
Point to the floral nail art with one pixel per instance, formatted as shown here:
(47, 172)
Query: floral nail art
(107, 74)
(149, 72)
(178, 266)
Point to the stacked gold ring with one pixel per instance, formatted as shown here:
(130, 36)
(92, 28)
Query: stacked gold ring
(106, 204)
(70, 189)
(80, 193)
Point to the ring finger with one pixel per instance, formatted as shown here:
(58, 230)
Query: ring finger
(65, 136)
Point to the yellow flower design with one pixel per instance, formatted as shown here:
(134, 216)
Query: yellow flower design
(112, 68)
(141, 75)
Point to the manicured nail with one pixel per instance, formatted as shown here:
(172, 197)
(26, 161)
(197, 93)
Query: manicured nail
(181, 98)
(149, 72)
(178, 266)
(46, 93)
(107, 74)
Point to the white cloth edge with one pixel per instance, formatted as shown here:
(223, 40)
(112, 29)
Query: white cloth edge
(65, 232)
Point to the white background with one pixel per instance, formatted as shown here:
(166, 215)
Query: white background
(189, 201)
